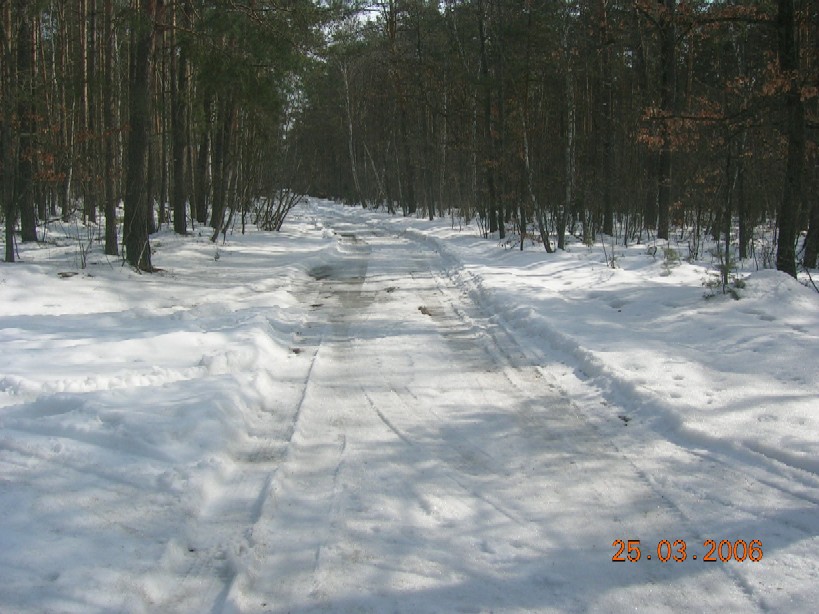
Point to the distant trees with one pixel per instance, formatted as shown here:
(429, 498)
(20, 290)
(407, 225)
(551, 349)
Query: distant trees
(632, 117)
(152, 103)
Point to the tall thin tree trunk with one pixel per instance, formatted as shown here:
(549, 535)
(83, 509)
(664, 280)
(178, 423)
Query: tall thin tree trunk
(24, 177)
(812, 240)
(348, 112)
(162, 123)
(442, 141)
(221, 166)
(202, 180)
(494, 27)
(795, 133)
(745, 225)
(562, 214)
(41, 77)
(646, 156)
(150, 185)
(731, 175)
(409, 200)
(668, 84)
(179, 87)
(489, 127)
(137, 245)
(92, 153)
(6, 97)
(67, 123)
(84, 144)
(811, 255)
(97, 58)
(537, 208)
(111, 247)
(607, 112)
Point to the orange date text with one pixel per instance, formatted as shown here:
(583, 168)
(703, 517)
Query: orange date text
(723, 551)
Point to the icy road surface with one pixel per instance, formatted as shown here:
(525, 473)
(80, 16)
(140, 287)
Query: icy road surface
(410, 452)
(432, 466)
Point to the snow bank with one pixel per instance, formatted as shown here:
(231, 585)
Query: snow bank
(128, 402)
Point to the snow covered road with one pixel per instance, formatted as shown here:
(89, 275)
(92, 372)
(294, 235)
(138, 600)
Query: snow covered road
(431, 466)
(405, 450)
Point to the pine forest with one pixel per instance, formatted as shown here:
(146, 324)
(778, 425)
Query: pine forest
(639, 120)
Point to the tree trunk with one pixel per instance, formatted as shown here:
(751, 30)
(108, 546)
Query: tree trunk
(83, 144)
(137, 246)
(562, 213)
(111, 247)
(607, 157)
(795, 134)
(67, 123)
(668, 83)
(41, 77)
(91, 195)
(6, 162)
(179, 87)
(201, 185)
(348, 109)
(494, 221)
(537, 209)
(221, 177)
(24, 177)
(498, 133)
(745, 225)
(409, 203)
(150, 185)
(811, 256)
(812, 240)
(730, 181)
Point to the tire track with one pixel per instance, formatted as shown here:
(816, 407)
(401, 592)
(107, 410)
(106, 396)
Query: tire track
(502, 352)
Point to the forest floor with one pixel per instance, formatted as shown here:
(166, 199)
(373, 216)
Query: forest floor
(371, 413)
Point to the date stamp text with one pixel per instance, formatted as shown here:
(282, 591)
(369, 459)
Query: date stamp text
(713, 551)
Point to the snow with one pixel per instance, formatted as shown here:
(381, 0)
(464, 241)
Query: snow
(375, 413)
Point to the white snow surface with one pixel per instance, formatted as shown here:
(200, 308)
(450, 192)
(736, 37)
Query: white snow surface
(379, 414)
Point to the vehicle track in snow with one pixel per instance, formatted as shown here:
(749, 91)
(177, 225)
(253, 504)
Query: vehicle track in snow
(457, 315)
(695, 510)
(433, 461)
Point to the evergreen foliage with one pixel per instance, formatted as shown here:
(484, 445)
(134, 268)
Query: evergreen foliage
(633, 118)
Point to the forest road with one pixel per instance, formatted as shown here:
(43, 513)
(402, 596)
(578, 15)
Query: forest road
(431, 466)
